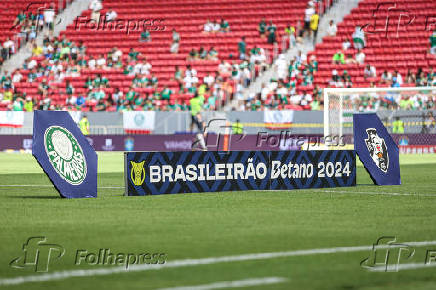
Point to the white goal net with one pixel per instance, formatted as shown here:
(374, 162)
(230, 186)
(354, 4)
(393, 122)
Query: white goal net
(413, 106)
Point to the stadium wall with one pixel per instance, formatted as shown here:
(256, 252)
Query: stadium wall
(299, 122)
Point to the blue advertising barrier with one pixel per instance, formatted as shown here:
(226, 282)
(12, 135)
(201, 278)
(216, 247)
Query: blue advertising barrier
(376, 149)
(64, 154)
(149, 173)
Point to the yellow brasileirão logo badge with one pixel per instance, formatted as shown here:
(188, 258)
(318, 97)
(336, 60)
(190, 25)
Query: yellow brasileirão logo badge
(137, 174)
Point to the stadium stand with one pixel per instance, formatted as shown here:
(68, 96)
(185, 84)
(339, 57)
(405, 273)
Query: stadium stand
(160, 68)
(394, 54)
(21, 20)
(188, 19)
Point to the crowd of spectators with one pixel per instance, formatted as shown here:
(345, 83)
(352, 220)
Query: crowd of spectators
(29, 25)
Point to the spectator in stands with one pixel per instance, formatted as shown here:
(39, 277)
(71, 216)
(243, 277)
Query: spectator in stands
(262, 27)
(307, 17)
(96, 7)
(369, 72)
(111, 15)
(346, 45)
(338, 57)
(202, 53)
(21, 18)
(399, 77)
(433, 43)
(360, 57)
(101, 62)
(208, 26)
(430, 75)
(350, 60)
(358, 38)
(166, 93)
(193, 54)
(282, 67)
(8, 48)
(314, 21)
(17, 77)
(49, 15)
(421, 79)
(386, 77)
(133, 54)
(175, 42)
(290, 34)
(272, 33)
(43, 88)
(213, 54)
(395, 83)
(347, 79)
(242, 47)
(37, 50)
(332, 29)
(410, 77)
(145, 36)
(208, 80)
(224, 26)
(215, 26)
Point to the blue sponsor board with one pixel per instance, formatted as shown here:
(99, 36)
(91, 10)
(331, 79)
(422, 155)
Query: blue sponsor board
(376, 149)
(64, 154)
(182, 172)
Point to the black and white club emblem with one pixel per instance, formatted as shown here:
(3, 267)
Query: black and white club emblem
(377, 149)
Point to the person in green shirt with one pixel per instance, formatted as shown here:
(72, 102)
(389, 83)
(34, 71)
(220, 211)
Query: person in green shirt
(406, 104)
(166, 93)
(196, 104)
(20, 18)
(154, 81)
(202, 53)
(224, 26)
(88, 83)
(18, 104)
(84, 125)
(339, 57)
(242, 47)
(149, 105)
(237, 128)
(69, 89)
(433, 43)
(139, 101)
(28, 106)
(262, 27)
(315, 105)
(272, 33)
(131, 94)
(398, 126)
(145, 36)
(133, 54)
(137, 81)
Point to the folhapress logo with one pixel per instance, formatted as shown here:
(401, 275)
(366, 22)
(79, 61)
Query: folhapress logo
(37, 254)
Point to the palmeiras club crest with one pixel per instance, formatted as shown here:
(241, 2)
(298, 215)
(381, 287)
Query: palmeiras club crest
(377, 149)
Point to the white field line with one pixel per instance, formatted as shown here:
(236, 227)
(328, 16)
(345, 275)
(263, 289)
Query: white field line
(194, 262)
(409, 266)
(381, 193)
(232, 284)
(47, 185)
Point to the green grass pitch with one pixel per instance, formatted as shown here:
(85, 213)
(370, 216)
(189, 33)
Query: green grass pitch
(210, 225)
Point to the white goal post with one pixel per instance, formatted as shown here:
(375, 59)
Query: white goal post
(341, 103)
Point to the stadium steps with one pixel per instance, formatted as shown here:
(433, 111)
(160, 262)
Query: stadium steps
(63, 19)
